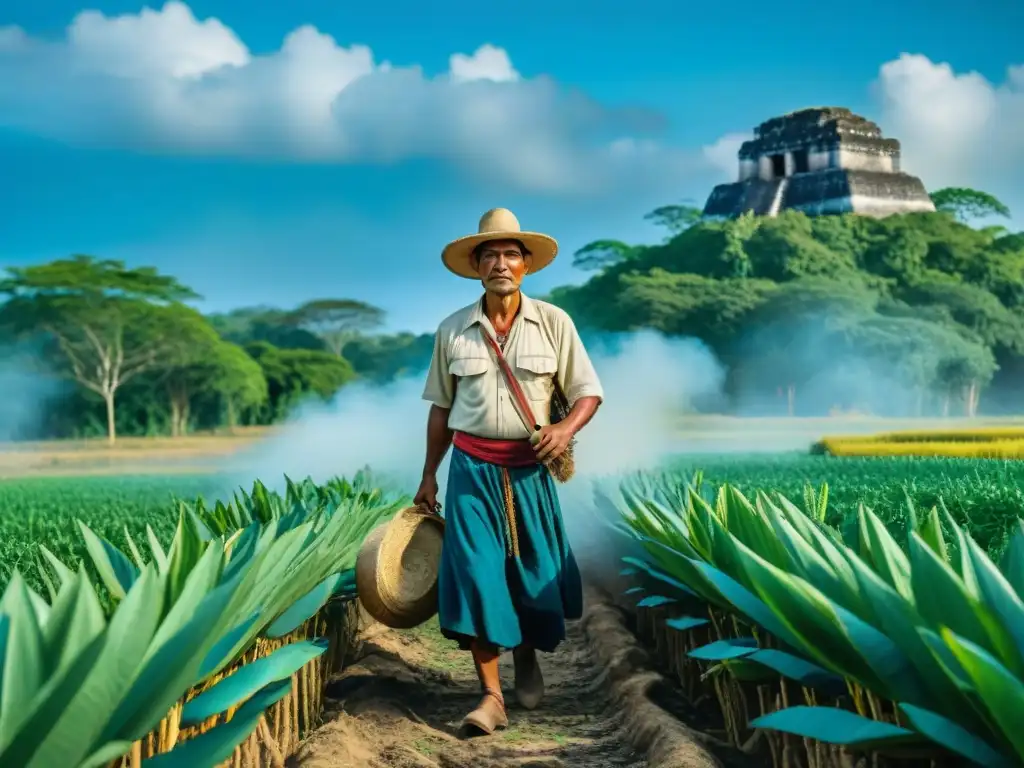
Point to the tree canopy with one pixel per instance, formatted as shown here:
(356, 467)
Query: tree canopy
(336, 321)
(967, 204)
(916, 313)
(109, 323)
(830, 306)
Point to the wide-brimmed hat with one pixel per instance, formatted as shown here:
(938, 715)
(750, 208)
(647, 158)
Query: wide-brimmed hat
(397, 567)
(498, 224)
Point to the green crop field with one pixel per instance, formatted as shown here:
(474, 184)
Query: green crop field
(44, 510)
(983, 496)
(740, 573)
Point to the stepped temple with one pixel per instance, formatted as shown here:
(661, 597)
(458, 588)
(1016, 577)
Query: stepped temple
(820, 161)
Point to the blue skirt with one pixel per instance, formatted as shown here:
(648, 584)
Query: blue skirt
(505, 579)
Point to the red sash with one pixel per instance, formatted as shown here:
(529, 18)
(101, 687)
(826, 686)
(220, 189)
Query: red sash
(504, 453)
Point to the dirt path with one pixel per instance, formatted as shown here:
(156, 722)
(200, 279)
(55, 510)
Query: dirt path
(401, 702)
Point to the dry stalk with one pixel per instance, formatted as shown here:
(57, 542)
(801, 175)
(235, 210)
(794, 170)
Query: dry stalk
(276, 758)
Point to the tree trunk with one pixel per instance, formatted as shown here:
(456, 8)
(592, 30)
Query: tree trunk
(971, 400)
(174, 418)
(232, 418)
(791, 399)
(945, 406)
(108, 399)
(178, 397)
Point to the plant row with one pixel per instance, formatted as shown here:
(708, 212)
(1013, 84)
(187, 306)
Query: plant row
(832, 642)
(213, 648)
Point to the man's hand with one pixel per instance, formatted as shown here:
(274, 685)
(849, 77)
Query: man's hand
(426, 496)
(552, 442)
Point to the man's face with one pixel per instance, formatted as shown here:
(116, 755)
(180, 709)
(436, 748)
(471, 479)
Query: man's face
(501, 265)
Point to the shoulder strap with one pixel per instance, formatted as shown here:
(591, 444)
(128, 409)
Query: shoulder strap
(551, 340)
(523, 405)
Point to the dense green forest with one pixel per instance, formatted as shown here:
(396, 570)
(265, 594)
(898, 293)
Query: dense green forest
(919, 313)
(903, 315)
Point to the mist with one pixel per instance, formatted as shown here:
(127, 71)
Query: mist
(648, 381)
(651, 383)
(26, 395)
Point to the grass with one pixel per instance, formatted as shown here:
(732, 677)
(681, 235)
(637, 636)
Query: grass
(444, 653)
(982, 495)
(38, 511)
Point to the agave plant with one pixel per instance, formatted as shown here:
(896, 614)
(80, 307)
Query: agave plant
(80, 686)
(937, 629)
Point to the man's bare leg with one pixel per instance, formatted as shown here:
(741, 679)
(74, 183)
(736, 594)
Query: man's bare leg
(529, 680)
(490, 714)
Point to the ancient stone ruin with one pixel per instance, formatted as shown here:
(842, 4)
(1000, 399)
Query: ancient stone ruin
(820, 161)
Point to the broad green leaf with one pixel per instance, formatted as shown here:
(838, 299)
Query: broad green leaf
(1012, 565)
(133, 549)
(76, 619)
(944, 731)
(225, 649)
(217, 744)
(686, 623)
(831, 635)
(51, 697)
(944, 599)
(23, 661)
(62, 572)
(250, 678)
(725, 649)
(899, 621)
(106, 754)
(742, 669)
(116, 571)
(885, 554)
(198, 585)
(158, 552)
(1000, 691)
(793, 667)
(305, 607)
(833, 578)
(186, 550)
(748, 604)
(655, 601)
(40, 606)
(1001, 598)
(70, 730)
(835, 726)
(5, 629)
(170, 670)
(931, 534)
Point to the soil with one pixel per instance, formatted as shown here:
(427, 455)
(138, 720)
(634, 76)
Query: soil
(401, 702)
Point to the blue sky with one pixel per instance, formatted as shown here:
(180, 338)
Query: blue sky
(195, 139)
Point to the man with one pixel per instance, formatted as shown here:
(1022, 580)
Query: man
(508, 578)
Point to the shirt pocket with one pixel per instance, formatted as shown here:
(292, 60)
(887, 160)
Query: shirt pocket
(536, 375)
(468, 367)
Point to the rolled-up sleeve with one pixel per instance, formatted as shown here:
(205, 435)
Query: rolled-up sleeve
(439, 389)
(576, 374)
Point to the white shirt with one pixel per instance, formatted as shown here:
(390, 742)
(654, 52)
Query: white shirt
(543, 346)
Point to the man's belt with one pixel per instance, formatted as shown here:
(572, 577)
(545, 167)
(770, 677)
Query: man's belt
(504, 453)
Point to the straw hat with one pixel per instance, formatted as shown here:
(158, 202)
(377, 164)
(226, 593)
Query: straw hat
(498, 224)
(397, 566)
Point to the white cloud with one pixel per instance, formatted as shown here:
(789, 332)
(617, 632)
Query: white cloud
(723, 155)
(164, 80)
(12, 39)
(955, 128)
(488, 63)
(170, 42)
